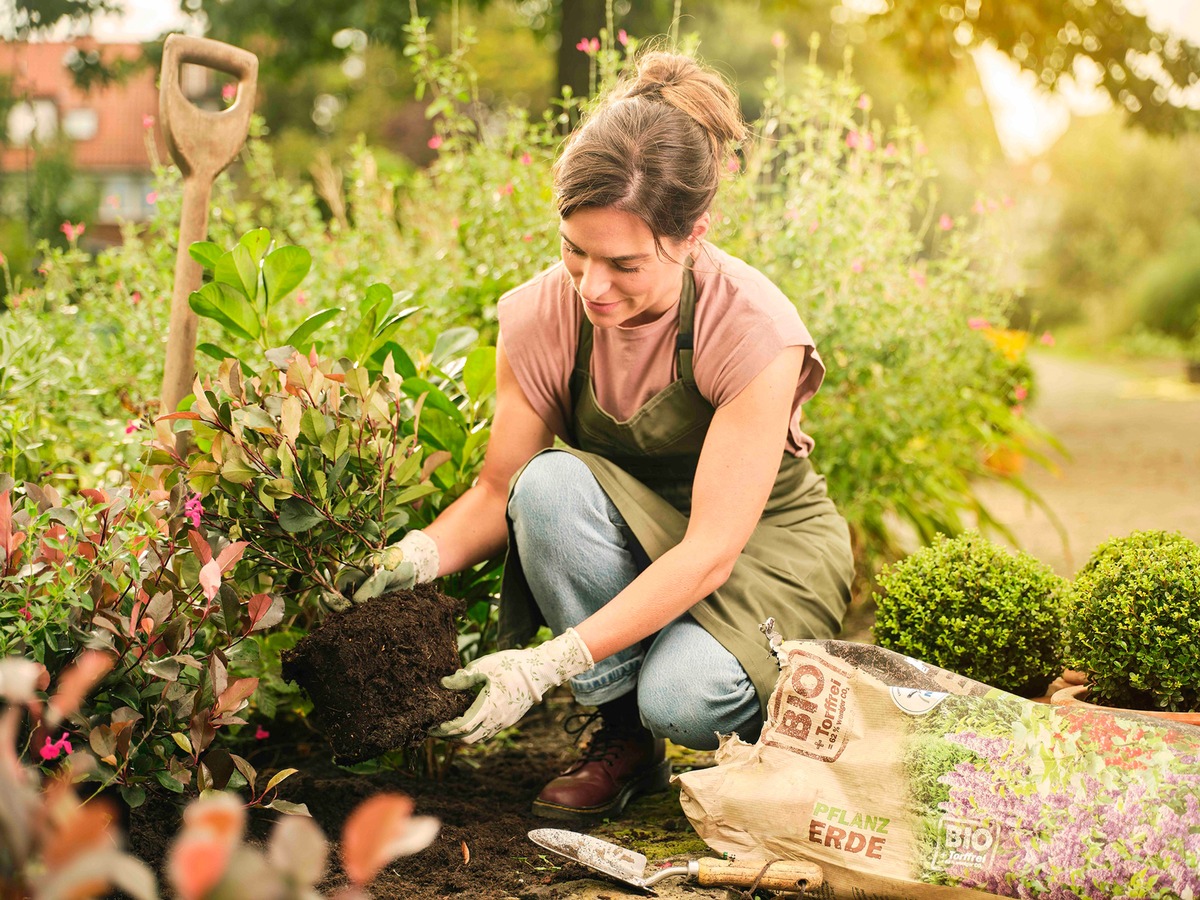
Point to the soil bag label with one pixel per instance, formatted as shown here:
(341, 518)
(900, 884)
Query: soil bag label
(812, 717)
(905, 781)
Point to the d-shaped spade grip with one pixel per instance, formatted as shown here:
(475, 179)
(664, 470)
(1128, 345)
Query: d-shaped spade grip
(203, 141)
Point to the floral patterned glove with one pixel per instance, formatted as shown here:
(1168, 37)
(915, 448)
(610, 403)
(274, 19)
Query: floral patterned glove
(512, 680)
(412, 560)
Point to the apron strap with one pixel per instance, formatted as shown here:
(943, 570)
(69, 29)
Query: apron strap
(684, 343)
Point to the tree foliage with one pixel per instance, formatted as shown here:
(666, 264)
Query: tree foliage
(1143, 70)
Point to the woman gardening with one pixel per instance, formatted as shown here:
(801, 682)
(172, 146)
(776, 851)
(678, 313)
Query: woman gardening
(683, 510)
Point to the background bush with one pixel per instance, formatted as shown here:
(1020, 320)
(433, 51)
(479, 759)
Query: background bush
(972, 607)
(1133, 621)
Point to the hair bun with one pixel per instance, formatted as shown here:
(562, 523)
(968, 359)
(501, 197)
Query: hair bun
(701, 93)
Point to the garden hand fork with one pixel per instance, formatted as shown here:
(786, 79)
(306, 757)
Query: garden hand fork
(202, 143)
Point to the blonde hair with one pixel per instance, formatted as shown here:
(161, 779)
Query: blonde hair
(656, 146)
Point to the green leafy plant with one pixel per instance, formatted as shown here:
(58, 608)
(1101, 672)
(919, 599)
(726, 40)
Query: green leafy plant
(135, 578)
(970, 606)
(1132, 621)
(314, 462)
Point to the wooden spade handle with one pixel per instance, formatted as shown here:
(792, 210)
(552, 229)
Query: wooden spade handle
(783, 875)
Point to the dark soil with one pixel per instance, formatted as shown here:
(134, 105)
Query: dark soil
(374, 672)
(483, 803)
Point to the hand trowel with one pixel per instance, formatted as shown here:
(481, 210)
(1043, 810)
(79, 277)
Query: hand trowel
(630, 867)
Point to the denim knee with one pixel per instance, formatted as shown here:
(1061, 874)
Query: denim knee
(551, 492)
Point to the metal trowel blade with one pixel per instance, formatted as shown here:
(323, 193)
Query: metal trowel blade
(611, 859)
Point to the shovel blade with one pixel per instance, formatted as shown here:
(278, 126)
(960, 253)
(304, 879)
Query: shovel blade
(601, 856)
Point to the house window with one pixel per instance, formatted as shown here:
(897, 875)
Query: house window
(80, 124)
(31, 121)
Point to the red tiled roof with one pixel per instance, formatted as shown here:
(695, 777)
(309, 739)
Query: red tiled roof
(38, 72)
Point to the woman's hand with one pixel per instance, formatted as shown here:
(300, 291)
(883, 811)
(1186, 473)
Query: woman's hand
(512, 681)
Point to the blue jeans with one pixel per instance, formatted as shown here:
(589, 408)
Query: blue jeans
(577, 554)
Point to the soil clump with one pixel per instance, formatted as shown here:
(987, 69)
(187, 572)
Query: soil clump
(374, 672)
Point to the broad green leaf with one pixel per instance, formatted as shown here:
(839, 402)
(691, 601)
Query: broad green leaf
(225, 305)
(133, 795)
(406, 470)
(235, 468)
(296, 516)
(378, 297)
(238, 269)
(479, 374)
(283, 269)
(310, 326)
(182, 740)
(313, 425)
(257, 242)
(279, 488)
(206, 253)
(220, 354)
(170, 783)
(405, 367)
(289, 808)
(363, 335)
(280, 776)
(434, 397)
(416, 492)
(452, 343)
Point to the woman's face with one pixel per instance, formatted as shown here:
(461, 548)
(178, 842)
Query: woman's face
(616, 267)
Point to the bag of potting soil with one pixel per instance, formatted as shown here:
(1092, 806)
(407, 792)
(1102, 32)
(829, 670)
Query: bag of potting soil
(907, 781)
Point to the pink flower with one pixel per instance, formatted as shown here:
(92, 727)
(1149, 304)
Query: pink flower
(147, 121)
(72, 231)
(507, 190)
(588, 46)
(1018, 410)
(918, 278)
(813, 226)
(792, 215)
(51, 749)
(921, 148)
(733, 165)
(860, 140)
(527, 238)
(526, 159)
(945, 222)
(1020, 392)
(435, 142)
(301, 298)
(261, 734)
(152, 197)
(1047, 338)
(228, 92)
(979, 208)
(890, 149)
(978, 323)
(26, 613)
(113, 200)
(454, 223)
(136, 296)
(856, 265)
(623, 38)
(132, 426)
(779, 40)
(864, 102)
(191, 509)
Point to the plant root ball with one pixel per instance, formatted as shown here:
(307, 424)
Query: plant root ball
(374, 672)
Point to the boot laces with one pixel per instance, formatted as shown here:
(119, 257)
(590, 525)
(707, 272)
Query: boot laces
(604, 743)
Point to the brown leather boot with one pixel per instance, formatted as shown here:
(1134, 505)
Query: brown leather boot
(619, 763)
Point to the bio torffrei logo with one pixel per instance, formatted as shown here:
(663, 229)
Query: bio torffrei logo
(964, 842)
(916, 702)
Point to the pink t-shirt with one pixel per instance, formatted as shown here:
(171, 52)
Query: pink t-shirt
(742, 322)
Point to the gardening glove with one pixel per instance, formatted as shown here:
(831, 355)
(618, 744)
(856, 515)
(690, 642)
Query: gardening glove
(512, 681)
(412, 560)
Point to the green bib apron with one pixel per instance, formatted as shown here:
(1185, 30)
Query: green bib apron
(797, 565)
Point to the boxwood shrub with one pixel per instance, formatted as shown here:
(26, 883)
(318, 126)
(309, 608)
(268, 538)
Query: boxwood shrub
(970, 606)
(1133, 622)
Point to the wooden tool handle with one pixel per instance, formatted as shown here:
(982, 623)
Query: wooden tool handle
(782, 875)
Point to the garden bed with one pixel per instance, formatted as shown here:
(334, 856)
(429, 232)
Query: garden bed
(483, 802)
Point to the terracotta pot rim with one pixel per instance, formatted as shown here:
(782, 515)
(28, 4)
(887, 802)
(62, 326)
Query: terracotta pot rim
(1076, 694)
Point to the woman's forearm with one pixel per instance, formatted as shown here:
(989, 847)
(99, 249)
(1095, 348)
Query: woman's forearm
(471, 529)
